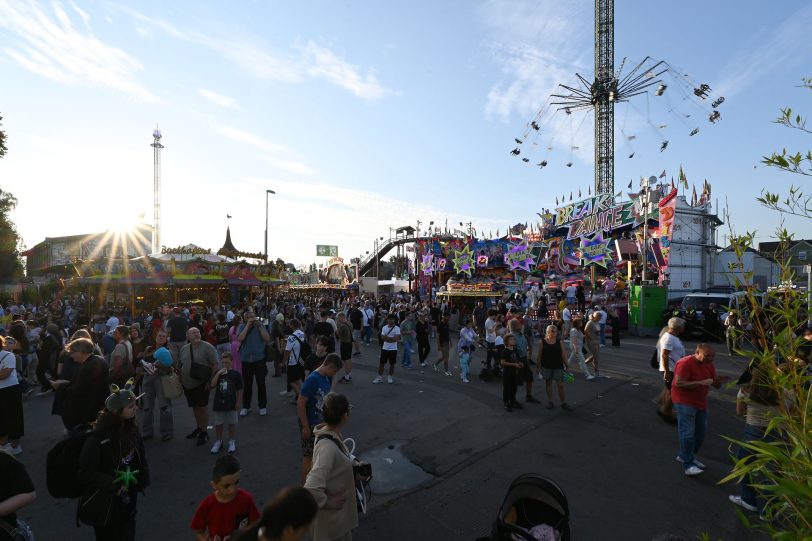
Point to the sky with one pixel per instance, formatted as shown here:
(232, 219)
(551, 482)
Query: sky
(365, 116)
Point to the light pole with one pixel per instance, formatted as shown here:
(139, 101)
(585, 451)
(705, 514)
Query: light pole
(267, 193)
(377, 260)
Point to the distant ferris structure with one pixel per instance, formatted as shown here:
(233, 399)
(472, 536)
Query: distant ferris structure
(156, 205)
(603, 93)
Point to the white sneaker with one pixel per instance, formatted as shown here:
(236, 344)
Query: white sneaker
(243, 412)
(435, 367)
(743, 504)
(423, 365)
(232, 446)
(590, 378)
(216, 447)
(693, 470)
(390, 380)
(286, 393)
(447, 373)
(377, 380)
(697, 463)
(263, 412)
(465, 380)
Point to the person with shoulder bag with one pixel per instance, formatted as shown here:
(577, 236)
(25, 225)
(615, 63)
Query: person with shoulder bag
(157, 368)
(198, 360)
(331, 479)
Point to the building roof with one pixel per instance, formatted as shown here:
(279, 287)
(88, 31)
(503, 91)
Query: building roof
(771, 247)
(228, 248)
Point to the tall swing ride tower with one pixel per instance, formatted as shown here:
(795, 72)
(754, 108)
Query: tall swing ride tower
(156, 204)
(605, 98)
(604, 91)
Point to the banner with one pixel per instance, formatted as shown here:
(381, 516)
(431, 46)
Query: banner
(593, 215)
(326, 250)
(667, 207)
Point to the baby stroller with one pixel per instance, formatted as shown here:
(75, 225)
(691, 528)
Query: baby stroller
(532, 500)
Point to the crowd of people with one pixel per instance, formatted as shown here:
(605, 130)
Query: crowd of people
(108, 375)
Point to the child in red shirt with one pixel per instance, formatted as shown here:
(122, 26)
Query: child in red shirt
(229, 508)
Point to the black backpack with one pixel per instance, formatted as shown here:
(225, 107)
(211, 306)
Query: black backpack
(62, 464)
(304, 350)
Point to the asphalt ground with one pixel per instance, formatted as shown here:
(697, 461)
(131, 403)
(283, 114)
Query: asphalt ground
(444, 453)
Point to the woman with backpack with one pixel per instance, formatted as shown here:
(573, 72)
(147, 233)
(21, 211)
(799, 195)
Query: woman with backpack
(331, 479)
(113, 469)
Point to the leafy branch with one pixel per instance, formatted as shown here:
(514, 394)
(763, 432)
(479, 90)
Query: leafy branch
(796, 203)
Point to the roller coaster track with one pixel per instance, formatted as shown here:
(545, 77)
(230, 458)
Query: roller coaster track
(367, 265)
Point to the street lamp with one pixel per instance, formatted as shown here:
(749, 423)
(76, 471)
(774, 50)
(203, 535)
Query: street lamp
(646, 196)
(377, 261)
(267, 193)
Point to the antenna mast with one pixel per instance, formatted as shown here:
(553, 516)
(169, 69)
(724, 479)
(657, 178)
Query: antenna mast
(156, 205)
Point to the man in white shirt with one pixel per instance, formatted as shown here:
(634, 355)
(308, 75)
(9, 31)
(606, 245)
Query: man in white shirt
(368, 316)
(669, 351)
(490, 338)
(293, 357)
(390, 336)
(566, 317)
(571, 289)
(602, 324)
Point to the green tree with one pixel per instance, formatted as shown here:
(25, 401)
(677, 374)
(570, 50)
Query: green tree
(3, 148)
(11, 267)
(780, 465)
(799, 162)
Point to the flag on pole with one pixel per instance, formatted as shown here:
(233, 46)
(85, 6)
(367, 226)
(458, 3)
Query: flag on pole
(673, 186)
(579, 192)
(662, 175)
(693, 198)
(682, 178)
(556, 200)
(630, 184)
(570, 196)
(590, 190)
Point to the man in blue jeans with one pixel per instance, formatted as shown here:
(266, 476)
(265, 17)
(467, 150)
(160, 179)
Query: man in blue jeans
(693, 376)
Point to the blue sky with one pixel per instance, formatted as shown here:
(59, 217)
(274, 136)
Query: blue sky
(363, 115)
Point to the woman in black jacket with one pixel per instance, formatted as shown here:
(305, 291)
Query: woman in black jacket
(113, 469)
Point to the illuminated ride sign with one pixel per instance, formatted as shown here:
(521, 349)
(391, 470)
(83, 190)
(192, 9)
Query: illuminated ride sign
(592, 215)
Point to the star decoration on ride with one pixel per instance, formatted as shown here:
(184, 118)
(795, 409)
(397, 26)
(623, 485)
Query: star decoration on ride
(427, 264)
(464, 260)
(126, 477)
(595, 250)
(520, 257)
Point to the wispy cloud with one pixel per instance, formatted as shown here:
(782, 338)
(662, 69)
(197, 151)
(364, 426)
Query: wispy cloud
(49, 45)
(535, 45)
(787, 44)
(291, 66)
(324, 63)
(346, 216)
(248, 138)
(218, 99)
(291, 166)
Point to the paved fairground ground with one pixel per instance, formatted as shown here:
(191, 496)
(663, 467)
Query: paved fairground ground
(444, 453)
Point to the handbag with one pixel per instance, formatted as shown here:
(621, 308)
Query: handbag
(171, 386)
(200, 372)
(655, 362)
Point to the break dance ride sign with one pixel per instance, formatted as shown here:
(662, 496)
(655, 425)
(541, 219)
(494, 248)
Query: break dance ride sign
(593, 215)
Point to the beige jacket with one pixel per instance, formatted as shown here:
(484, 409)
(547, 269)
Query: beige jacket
(331, 473)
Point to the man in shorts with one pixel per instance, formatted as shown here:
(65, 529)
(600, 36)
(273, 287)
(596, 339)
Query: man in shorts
(310, 404)
(390, 336)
